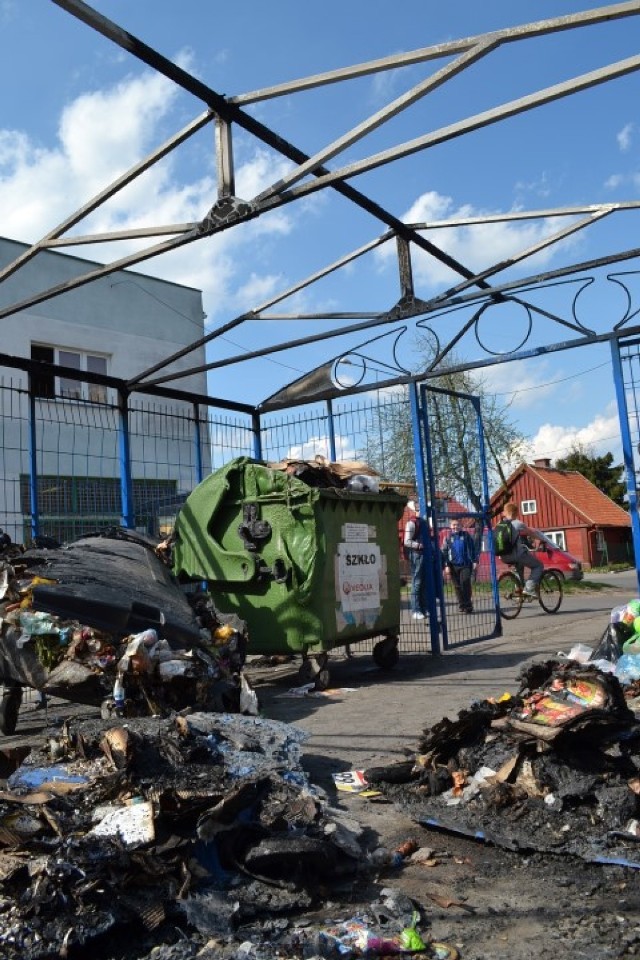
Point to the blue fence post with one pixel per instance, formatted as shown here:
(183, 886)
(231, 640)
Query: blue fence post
(425, 497)
(627, 450)
(486, 515)
(331, 427)
(198, 444)
(257, 435)
(33, 465)
(128, 519)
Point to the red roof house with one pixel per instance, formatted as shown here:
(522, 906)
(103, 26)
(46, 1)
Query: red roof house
(570, 510)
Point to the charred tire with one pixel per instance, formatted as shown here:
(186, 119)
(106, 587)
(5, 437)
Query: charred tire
(385, 653)
(550, 594)
(510, 593)
(9, 710)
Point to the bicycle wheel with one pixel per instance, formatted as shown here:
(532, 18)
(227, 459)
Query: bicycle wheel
(550, 594)
(510, 593)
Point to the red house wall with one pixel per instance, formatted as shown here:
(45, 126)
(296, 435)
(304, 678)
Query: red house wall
(552, 512)
(578, 543)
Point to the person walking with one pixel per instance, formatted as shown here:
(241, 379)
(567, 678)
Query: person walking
(520, 555)
(460, 557)
(414, 551)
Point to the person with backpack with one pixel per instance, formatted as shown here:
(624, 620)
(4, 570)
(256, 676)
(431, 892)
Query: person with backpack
(510, 546)
(413, 543)
(460, 557)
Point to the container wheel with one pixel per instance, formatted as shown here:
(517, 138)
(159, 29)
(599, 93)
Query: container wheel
(385, 653)
(315, 670)
(9, 709)
(323, 679)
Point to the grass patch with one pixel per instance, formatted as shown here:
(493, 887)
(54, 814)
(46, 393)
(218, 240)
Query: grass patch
(586, 586)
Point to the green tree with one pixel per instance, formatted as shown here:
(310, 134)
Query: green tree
(453, 435)
(599, 470)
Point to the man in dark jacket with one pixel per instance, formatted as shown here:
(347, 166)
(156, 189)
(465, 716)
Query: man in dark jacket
(460, 557)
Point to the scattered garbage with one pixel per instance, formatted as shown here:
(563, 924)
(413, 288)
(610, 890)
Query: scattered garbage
(554, 768)
(200, 822)
(102, 622)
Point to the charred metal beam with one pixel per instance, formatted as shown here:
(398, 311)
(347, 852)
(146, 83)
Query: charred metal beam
(232, 113)
(477, 122)
(451, 48)
(273, 404)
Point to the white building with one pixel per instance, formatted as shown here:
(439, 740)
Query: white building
(118, 325)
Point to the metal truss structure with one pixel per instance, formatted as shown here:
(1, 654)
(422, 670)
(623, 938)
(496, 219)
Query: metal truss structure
(463, 309)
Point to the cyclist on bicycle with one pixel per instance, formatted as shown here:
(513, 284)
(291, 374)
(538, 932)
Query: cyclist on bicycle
(521, 556)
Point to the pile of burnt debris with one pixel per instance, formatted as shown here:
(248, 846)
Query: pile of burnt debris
(162, 830)
(103, 622)
(553, 769)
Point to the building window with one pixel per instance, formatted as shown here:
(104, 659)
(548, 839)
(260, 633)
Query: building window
(558, 538)
(528, 507)
(43, 384)
(48, 386)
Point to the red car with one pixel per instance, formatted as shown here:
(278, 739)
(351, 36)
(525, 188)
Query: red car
(553, 558)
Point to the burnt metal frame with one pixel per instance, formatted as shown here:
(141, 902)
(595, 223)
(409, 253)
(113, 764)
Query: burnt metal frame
(310, 174)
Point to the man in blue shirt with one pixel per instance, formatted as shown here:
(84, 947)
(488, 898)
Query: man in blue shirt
(460, 557)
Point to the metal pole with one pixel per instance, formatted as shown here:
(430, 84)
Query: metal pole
(257, 436)
(128, 519)
(627, 449)
(425, 499)
(331, 427)
(198, 443)
(33, 464)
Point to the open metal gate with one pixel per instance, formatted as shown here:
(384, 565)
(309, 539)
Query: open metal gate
(453, 484)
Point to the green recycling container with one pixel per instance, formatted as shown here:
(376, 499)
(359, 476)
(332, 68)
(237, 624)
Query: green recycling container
(307, 568)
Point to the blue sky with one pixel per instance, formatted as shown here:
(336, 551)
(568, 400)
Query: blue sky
(82, 111)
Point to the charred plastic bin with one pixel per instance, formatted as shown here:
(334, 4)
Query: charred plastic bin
(308, 568)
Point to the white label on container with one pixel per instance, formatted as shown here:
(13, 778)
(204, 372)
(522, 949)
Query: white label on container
(356, 532)
(359, 575)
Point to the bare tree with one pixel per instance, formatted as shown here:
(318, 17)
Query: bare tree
(453, 438)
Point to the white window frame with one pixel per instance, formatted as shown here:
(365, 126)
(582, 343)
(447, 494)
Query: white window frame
(528, 507)
(86, 392)
(558, 537)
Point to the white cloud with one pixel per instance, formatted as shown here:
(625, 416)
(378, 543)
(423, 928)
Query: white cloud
(520, 383)
(624, 137)
(100, 135)
(477, 246)
(386, 85)
(319, 447)
(601, 435)
(256, 289)
(537, 188)
(614, 181)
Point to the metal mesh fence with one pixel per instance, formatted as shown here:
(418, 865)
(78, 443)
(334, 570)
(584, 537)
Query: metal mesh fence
(76, 455)
(372, 428)
(14, 448)
(78, 460)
